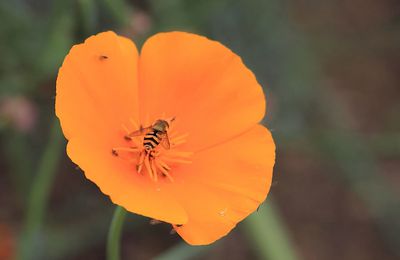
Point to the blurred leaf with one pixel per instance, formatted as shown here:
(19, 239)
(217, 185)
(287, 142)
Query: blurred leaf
(18, 149)
(34, 46)
(58, 39)
(16, 25)
(89, 15)
(30, 240)
(118, 10)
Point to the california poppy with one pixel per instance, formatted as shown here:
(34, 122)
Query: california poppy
(172, 134)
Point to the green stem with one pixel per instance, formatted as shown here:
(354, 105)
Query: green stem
(114, 234)
(39, 194)
(184, 251)
(269, 235)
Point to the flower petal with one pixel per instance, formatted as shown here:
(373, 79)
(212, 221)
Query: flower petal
(97, 86)
(224, 184)
(123, 184)
(97, 90)
(212, 94)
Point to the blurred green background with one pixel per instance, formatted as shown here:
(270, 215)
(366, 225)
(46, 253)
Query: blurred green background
(330, 70)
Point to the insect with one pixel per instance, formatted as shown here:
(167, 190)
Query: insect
(153, 136)
(103, 57)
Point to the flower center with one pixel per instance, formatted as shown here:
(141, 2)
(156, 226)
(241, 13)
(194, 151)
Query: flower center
(153, 148)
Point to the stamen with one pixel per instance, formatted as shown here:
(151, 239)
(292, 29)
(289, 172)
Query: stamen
(121, 156)
(172, 160)
(176, 143)
(148, 167)
(134, 123)
(136, 142)
(155, 159)
(125, 128)
(164, 171)
(154, 170)
(163, 164)
(126, 149)
(179, 140)
(140, 163)
(180, 137)
(180, 154)
(146, 119)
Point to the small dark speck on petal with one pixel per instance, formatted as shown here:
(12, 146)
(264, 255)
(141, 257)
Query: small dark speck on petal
(103, 57)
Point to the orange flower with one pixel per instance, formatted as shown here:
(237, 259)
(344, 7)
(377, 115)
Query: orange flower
(216, 168)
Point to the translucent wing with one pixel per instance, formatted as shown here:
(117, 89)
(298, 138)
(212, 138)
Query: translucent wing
(165, 141)
(141, 131)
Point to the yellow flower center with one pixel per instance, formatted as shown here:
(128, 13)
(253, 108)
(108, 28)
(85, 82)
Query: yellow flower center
(153, 149)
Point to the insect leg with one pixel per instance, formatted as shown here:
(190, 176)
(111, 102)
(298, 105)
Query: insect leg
(142, 157)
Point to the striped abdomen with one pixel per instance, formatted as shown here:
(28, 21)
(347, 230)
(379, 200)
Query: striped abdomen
(152, 139)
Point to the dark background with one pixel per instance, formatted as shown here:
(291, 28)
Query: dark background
(330, 70)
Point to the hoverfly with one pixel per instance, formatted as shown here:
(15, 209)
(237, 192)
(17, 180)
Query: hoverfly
(153, 135)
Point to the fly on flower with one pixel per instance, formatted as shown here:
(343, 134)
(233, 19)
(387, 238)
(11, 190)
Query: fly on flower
(172, 134)
(153, 136)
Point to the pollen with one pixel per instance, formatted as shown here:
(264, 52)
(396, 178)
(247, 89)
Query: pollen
(157, 162)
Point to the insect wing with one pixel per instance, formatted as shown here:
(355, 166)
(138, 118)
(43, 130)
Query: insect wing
(165, 141)
(141, 131)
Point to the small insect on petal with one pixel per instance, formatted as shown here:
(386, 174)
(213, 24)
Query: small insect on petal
(103, 57)
(114, 152)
